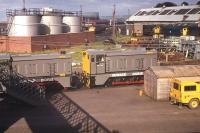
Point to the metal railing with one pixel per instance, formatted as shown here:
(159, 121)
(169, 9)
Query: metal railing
(20, 87)
(40, 11)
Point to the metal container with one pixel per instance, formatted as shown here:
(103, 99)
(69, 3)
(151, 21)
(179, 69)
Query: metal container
(25, 25)
(73, 23)
(53, 24)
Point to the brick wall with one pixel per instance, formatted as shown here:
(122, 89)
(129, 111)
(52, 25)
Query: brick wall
(19, 44)
(36, 43)
(3, 46)
(61, 40)
(15, 44)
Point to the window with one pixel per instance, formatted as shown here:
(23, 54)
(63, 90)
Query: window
(171, 12)
(92, 59)
(190, 88)
(176, 86)
(164, 12)
(182, 11)
(155, 13)
(149, 13)
(198, 82)
(194, 11)
(142, 13)
(137, 13)
(100, 58)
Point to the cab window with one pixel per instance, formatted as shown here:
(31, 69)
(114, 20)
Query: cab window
(100, 58)
(176, 86)
(92, 59)
(190, 88)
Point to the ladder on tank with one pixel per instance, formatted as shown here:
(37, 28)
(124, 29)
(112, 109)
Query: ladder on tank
(20, 87)
(10, 22)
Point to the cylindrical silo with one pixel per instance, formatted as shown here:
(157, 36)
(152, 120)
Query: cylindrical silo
(53, 24)
(24, 25)
(73, 23)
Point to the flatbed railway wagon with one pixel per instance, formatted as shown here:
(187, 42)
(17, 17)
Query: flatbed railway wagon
(110, 68)
(44, 68)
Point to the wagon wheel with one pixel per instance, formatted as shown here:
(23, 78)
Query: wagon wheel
(194, 103)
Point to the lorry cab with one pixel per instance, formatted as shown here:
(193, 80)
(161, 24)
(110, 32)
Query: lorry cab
(186, 91)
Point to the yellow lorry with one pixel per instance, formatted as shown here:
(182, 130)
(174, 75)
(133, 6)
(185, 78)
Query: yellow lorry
(185, 90)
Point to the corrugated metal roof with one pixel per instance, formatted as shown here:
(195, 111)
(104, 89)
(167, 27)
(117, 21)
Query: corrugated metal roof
(176, 71)
(167, 17)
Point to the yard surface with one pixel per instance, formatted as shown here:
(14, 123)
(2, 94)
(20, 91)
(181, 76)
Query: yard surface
(122, 109)
(117, 108)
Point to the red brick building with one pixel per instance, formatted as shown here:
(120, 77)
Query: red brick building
(43, 42)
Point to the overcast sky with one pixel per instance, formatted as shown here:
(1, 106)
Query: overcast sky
(104, 7)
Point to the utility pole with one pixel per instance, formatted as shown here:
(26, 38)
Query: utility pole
(113, 23)
(128, 13)
(24, 4)
(81, 15)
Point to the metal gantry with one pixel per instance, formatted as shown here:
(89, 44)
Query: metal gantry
(20, 87)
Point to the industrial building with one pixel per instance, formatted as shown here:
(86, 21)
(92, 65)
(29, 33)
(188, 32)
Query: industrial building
(170, 18)
(157, 79)
(37, 29)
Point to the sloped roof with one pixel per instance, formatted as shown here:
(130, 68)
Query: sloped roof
(167, 14)
(176, 71)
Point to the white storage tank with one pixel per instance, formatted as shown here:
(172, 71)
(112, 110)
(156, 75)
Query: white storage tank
(73, 23)
(53, 24)
(24, 25)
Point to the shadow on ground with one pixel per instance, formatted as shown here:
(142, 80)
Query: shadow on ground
(39, 119)
(61, 114)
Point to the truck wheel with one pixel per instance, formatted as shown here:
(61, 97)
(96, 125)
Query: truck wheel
(194, 103)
